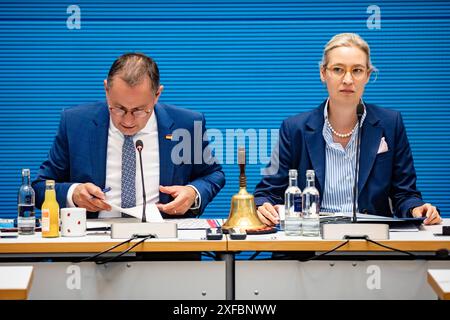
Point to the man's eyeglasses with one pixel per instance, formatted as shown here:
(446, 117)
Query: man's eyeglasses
(338, 72)
(138, 113)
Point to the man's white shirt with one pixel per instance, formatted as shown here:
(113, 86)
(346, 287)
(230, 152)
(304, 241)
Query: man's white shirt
(150, 161)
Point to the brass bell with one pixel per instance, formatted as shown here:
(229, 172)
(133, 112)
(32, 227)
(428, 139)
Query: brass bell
(243, 209)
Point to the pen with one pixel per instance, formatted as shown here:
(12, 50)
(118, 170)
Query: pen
(104, 191)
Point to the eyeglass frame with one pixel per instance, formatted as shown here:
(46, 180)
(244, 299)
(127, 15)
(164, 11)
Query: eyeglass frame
(347, 70)
(125, 111)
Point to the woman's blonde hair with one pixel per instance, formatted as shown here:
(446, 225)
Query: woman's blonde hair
(346, 40)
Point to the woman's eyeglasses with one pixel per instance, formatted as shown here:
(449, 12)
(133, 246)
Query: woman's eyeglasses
(338, 72)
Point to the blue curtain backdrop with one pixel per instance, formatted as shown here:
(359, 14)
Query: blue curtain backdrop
(245, 64)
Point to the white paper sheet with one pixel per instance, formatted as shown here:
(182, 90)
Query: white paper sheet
(152, 213)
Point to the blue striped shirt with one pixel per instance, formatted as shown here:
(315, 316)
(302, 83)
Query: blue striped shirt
(339, 170)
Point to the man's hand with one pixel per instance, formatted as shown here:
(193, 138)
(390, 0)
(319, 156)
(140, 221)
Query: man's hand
(268, 214)
(89, 196)
(429, 211)
(184, 198)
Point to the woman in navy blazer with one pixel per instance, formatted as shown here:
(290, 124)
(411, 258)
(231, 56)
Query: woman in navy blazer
(324, 139)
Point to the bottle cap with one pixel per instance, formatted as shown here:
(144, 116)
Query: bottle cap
(292, 173)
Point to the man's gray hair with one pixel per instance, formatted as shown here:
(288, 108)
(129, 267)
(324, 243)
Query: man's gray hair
(132, 68)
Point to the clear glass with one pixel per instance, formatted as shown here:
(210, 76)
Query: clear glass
(26, 220)
(292, 206)
(310, 207)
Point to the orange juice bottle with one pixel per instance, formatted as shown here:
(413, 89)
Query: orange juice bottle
(50, 212)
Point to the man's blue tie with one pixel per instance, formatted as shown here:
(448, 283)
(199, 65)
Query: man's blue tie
(128, 174)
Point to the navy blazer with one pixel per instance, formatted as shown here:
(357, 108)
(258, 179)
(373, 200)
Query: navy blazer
(382, 177)
(79, 153)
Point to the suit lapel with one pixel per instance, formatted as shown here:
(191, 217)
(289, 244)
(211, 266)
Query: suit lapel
(99, 141)
(166, 166)
(316, 144)
(370, 140)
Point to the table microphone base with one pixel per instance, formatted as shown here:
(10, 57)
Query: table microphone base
(373, 231)
(160, 230)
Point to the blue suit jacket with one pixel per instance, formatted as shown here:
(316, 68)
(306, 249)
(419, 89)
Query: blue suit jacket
(79, 153)
(381, 176)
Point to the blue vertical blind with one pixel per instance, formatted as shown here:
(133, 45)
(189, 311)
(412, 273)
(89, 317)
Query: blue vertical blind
(245, 64)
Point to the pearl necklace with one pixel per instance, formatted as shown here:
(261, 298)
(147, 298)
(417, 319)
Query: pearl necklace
(341, 135)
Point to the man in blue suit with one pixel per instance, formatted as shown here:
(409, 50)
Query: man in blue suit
(325, 140)
(95, 149)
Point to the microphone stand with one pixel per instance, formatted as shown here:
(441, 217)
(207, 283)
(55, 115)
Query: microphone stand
(353, 230)
(142, 230)
(139, 146)
(359, 113)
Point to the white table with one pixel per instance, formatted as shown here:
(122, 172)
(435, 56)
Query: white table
(358, 270)
(379, 274)
(15, 282)
(439, 280)
(56, 277)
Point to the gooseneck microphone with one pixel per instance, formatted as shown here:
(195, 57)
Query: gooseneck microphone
(139, 147)
(353, 230)
(359, 114)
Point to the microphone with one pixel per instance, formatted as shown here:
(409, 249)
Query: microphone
(142, 230)
(359, 114)
(353, 230)
(139, 147)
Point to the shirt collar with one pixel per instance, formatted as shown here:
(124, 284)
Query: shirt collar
(325, 111)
